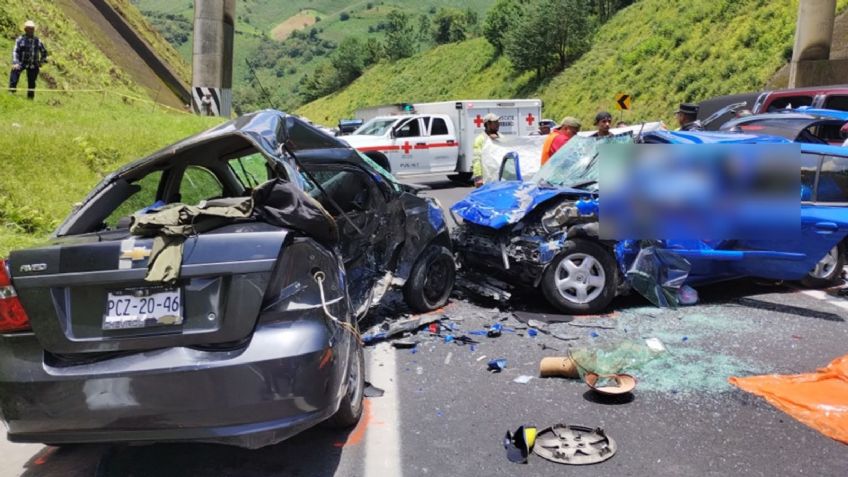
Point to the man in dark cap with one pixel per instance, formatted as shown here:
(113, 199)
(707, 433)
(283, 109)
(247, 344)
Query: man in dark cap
(603, 121)
(687, 115)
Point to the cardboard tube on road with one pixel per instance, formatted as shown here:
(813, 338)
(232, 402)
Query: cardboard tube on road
(555, 366)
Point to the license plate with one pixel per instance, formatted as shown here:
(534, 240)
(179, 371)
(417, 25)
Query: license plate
(142, 308)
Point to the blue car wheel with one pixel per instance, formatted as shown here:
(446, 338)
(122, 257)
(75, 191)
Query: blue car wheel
(828, 270)
(581, 279)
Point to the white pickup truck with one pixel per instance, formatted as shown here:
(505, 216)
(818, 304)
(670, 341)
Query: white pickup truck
(431, 138)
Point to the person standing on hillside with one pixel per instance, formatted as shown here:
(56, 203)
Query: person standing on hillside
(687, 116)
(568, 128)
(491, 125)
(28, 54)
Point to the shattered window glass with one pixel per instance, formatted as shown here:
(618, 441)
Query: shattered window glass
(576, 163)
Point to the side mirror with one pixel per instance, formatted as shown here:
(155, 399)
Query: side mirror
(510, 168)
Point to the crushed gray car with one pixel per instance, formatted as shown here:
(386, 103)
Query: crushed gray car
(211, 291)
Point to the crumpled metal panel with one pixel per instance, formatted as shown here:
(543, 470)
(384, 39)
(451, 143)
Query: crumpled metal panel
(500, 204)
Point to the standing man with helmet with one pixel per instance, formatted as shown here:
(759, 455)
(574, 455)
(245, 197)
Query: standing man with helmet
(28, 54)
(491, 125)
(687, 116)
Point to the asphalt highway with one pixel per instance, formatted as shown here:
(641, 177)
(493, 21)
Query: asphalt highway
(444, 414)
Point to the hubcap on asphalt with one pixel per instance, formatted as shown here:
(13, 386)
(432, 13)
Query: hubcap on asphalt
(826, 265)
(580, 278)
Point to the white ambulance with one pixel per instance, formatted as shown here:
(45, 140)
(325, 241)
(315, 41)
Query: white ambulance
(434, 138)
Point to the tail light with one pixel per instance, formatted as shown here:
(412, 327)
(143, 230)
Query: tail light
(12, 314)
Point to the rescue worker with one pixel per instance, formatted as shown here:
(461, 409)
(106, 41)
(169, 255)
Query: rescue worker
(491, 124)
(603, 121)
(568, 128)
(686, 116)
(545, 127)
(28, 54)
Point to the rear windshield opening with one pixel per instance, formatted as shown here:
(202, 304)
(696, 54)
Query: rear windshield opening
(231, 168)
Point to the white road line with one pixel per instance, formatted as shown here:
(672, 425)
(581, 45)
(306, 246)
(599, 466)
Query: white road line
(839, 303)
(382, 438)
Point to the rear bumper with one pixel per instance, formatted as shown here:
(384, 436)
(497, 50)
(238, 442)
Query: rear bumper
(285, 380)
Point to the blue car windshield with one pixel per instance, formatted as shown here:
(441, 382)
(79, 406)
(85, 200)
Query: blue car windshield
(576, 164)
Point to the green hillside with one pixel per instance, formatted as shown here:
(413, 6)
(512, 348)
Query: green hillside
(658, 51)
(54, 149)
(428, 76)
(281, 64)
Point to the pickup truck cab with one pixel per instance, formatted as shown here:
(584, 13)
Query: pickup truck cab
(409, 144)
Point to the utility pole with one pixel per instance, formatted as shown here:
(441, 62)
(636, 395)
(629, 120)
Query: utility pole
(212, 59)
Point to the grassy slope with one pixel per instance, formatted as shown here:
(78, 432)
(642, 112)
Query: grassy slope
(660, 52)
(430, 76)
(54, 149)
(177, 62)
(53, 154)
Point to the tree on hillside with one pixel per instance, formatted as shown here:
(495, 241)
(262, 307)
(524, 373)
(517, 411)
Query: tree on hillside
(400, 36)
(425, 30)
(607, 8)
(500, 20)
(549, 35)
(350, 59)
(452, 25)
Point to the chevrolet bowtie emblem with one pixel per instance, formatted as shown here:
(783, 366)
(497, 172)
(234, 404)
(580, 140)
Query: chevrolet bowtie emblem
(135, 254)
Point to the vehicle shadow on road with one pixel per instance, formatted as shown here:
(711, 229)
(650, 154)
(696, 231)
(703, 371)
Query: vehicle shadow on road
(316, 452)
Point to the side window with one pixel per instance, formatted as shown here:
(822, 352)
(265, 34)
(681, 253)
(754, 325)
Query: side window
(790, 101)
(199, 184)
(836, 102)
(145, 197)
(409, 129)
(349, 189)
(440, 128)
(250, 170)
(833, 180)
(809, 169)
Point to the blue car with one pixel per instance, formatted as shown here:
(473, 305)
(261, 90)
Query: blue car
(544, 233)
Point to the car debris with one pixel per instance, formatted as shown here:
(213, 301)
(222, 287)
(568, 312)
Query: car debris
(372, 391)
(519, 444)
(389, 330)
(610, 384)
(574, 445)
(523, 379)
(496, 365)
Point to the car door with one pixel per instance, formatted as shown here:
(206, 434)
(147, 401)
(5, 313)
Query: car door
(367, 235)
(824, 223)
(441, 146)
(409, 152)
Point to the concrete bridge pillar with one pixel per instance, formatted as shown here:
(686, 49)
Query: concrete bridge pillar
(212, 59)
(810, 64)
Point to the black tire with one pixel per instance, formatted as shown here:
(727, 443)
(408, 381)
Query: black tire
(463, 178)
(431, 280)
(830, 277)
(350, 409)
(603, 262)
(380, 159)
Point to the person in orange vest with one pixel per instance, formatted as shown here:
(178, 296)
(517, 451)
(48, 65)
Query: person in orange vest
(568, 128)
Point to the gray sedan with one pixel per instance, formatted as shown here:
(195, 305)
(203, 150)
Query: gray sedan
(211, 291)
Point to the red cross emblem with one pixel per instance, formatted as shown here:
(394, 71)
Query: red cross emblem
(478, 121)
(530, 119)
(406, 147)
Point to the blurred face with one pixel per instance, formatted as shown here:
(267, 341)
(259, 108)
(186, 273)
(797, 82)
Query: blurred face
(29, 31)
(546, 129)
(571, 130)
(604, 126)
(492, 126)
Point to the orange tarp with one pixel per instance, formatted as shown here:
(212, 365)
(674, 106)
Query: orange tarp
(819, 400)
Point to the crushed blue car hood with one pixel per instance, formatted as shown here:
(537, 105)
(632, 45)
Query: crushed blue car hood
(499, 204)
